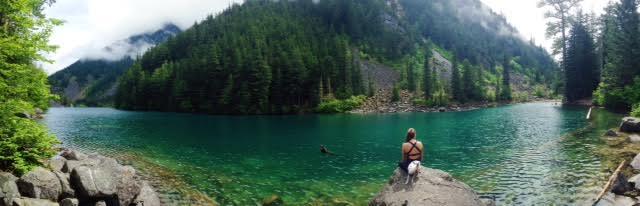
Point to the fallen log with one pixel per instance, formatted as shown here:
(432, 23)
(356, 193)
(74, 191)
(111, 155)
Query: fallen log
(611, 181)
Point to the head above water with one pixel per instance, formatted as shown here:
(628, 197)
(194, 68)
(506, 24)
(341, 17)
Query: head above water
(411, 134)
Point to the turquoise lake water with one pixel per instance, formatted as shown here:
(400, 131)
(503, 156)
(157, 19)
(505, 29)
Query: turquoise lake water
(532, 154)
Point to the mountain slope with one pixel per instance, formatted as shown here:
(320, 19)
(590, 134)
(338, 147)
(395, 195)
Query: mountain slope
(266, 57)
(92, 82)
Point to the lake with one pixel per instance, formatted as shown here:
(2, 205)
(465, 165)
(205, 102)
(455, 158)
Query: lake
(535, 153)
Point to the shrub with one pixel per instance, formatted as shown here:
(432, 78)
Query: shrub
(636, 110)
(341, 106)
(541, 91)
(395, 94)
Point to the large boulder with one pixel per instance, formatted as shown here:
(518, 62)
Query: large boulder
(56, 163)
(67, 191)
(40, 183)
(147, 196)
(429, 187)
(611, 133)
(93, 182)
(8, 188)
(127, 186)
(33, 202)
(630, 125)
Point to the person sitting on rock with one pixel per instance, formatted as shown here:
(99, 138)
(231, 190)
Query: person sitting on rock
(412, 151)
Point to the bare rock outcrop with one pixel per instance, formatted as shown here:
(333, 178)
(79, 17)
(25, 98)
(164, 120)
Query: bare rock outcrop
(430, 187)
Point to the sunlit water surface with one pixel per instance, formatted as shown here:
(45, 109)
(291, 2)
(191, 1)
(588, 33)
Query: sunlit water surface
(533, 154)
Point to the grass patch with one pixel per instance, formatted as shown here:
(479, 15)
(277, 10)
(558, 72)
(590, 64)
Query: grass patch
(341, 106)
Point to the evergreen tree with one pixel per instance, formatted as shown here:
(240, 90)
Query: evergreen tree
(506, 80)
(581, 68)
(411, 77)
(456, 82)
(428, 75)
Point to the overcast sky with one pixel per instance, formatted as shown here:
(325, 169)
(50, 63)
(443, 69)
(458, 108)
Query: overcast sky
(93, 24)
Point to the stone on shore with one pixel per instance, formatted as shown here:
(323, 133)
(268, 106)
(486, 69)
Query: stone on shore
(101, 203)
(634, 138)
(147, 196)
(611, 133)
(73, 155)
(635, 163)
(273, 200)
(40, 183)
(8, 188)
(621, 185)
(611, 199)
(93, 182)
(69, 202)
(128, 187)
(33, 202)
(630, 125)
(67, 191)
(429, 187)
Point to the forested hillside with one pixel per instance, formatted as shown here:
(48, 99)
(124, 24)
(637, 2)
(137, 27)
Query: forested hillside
(265, 57)
(92, 82)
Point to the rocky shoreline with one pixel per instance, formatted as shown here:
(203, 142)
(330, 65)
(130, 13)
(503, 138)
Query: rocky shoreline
(380, 103)
(623, 144)
(76, 179)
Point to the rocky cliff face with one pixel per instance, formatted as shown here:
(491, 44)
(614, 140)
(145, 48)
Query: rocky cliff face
(429, 187)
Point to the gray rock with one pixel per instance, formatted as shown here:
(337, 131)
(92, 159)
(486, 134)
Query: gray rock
(69, 165)
(93, 182)
(634, 180)
(621, 185)
(634, 138)
(69, 202)
(147, 196)
(611, 133)
(8, 188)
(73, 155)
(430, 187)
(127, 186)
(40, 183)
(33, 202)
(488, 202)
(635, 163)
(630, 125)
(67, 191)
(56, 163)
(607, 200)
(101, 203)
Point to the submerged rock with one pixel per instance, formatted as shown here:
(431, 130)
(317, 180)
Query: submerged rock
(611, 133)
(40, 183)
(429, 187)
(273, 200)
(630, 125)
(634, 138)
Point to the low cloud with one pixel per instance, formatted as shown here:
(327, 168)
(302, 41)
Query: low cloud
(92, 25)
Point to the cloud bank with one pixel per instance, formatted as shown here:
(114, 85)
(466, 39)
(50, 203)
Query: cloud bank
(92, 25)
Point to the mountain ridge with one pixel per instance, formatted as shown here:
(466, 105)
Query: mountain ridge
(91, 81)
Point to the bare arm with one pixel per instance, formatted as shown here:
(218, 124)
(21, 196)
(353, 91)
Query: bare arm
(404, 157)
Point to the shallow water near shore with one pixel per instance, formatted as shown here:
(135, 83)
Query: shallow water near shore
(533, 154)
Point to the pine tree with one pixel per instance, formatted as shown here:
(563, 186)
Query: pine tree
(395, 94)
(456, 84)
(427, 79)
(411, 78)
(581, 67)
(506, 80)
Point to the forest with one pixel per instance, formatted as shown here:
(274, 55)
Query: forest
(266, 57)
(600, 54)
